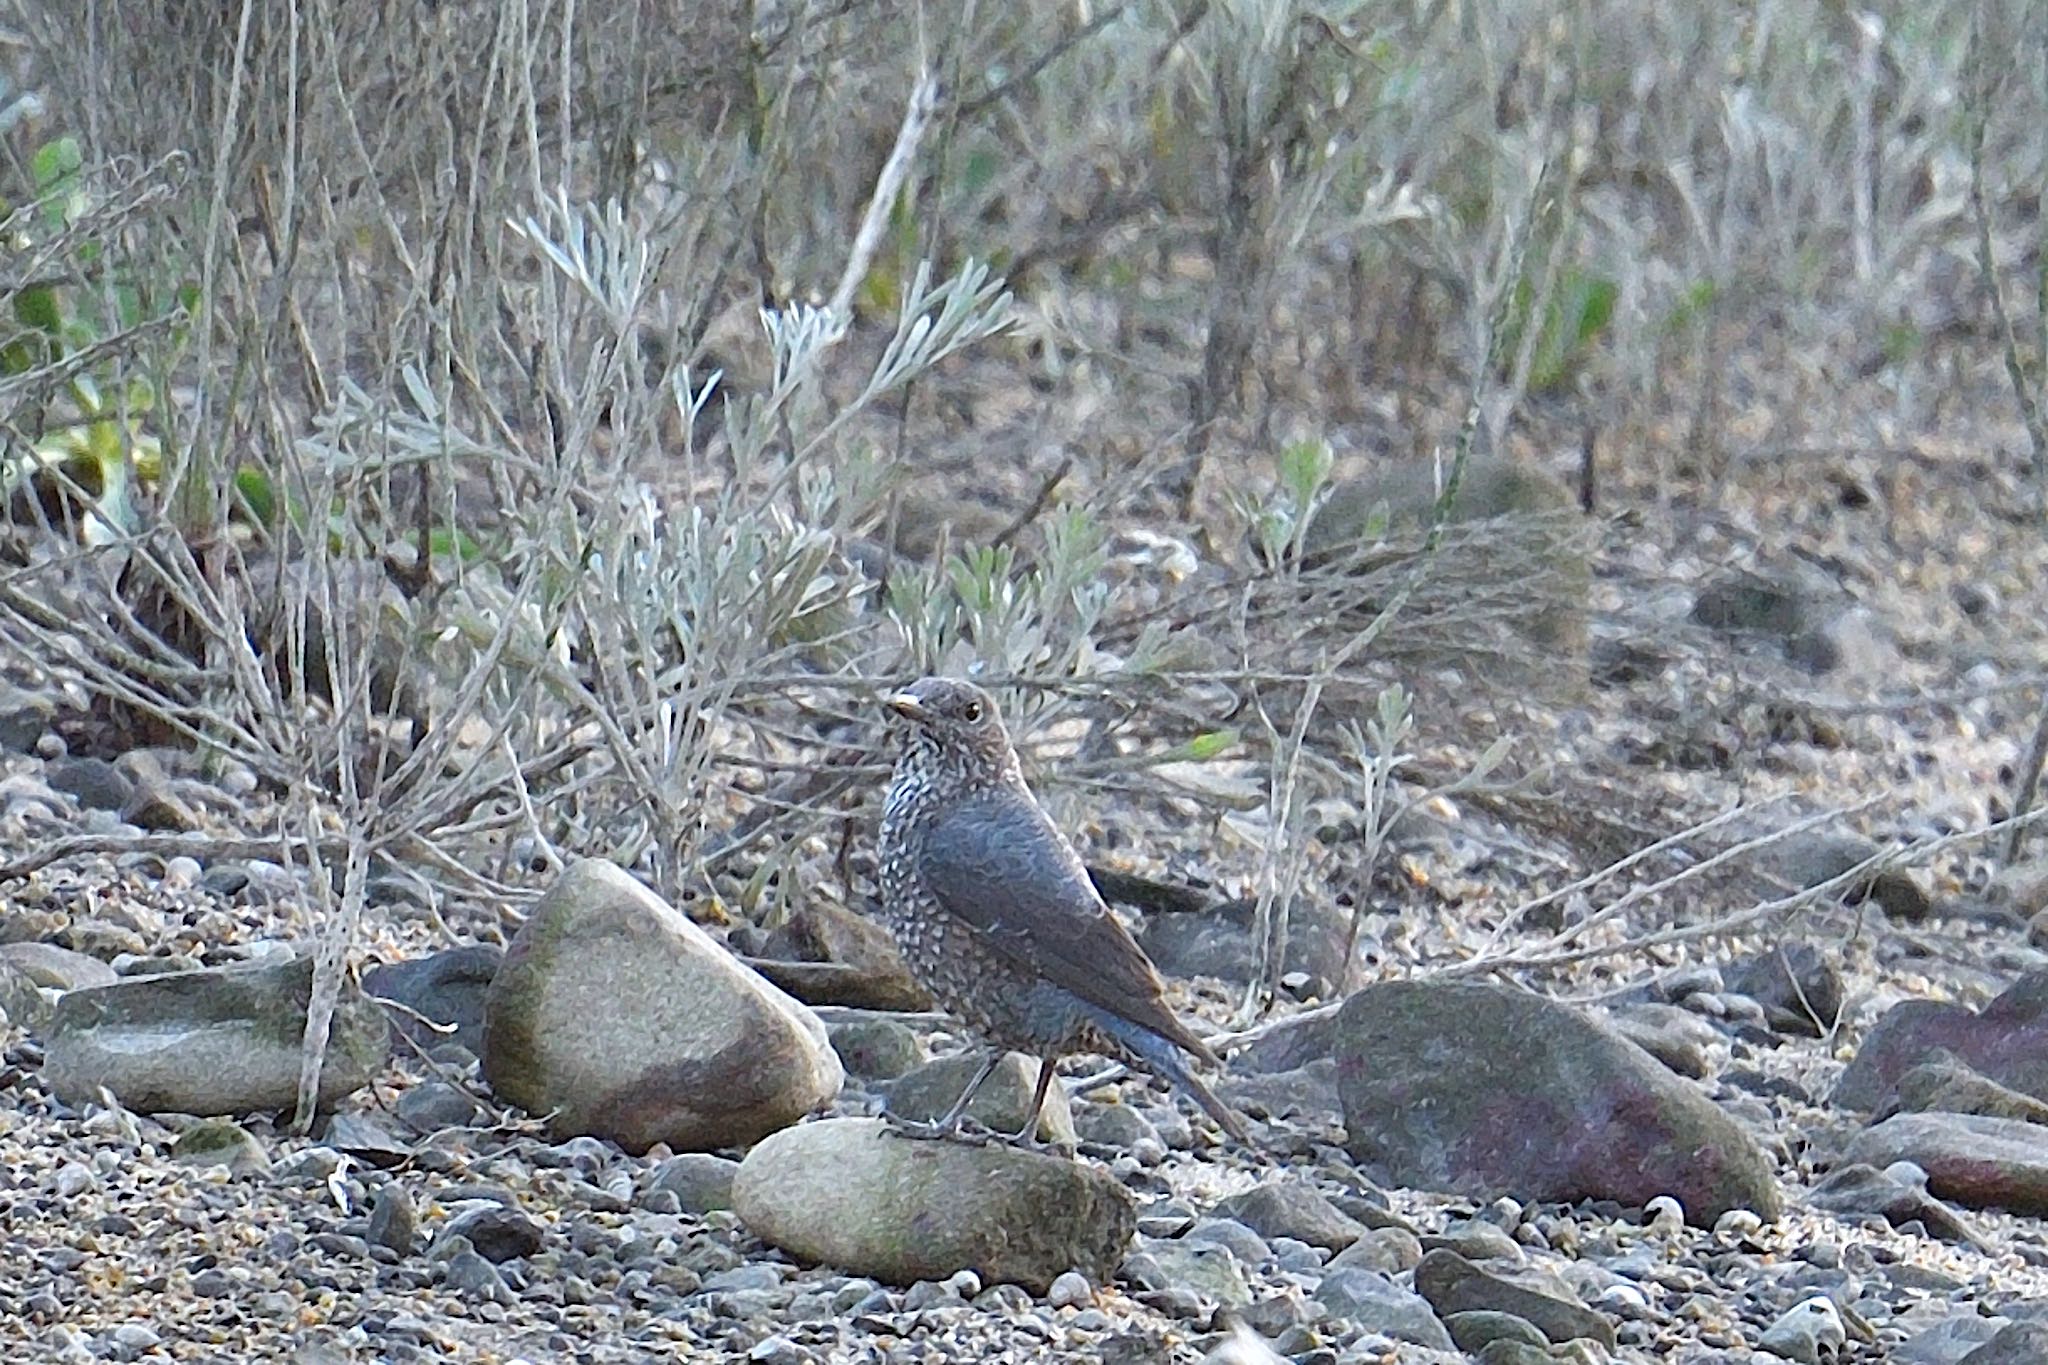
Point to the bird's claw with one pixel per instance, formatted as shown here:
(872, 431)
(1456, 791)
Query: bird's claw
(969, 1131)
(920, 1130)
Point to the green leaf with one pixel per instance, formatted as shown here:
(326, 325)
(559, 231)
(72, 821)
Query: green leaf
(1211, 743)
(40, 308)
(1901, 342)
(56, 163)
(446, 542)
(1579, 313)
(253, 487)
(1693, 305)
(54, 168)
(978, 172)
(1304, 466)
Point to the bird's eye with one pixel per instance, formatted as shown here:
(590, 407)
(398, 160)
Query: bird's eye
(972, 711)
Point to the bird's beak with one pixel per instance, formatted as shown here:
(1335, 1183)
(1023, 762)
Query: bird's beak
(905, 704)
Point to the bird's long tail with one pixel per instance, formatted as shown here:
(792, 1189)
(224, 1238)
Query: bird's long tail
(1168, 1061)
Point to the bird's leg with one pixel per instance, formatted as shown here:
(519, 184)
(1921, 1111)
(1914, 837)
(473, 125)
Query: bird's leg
(949, 1123)
(1025, 1135)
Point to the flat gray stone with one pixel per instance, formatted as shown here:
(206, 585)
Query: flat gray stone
(1207, 1269)
(701, 1183)
(221, 1040)
(2016, 1343)
(1857, 1187)
(1978, 1161)
(55, 968)
(1453, 1284)
(1285, 1207)
(447, 988)
(1948, 1341)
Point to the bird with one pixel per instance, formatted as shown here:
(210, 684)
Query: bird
(997, 918)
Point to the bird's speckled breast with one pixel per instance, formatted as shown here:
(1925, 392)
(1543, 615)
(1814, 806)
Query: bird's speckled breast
(968, 979)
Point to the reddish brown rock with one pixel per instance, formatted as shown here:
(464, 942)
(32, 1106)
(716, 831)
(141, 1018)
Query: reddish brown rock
(1483, 1090)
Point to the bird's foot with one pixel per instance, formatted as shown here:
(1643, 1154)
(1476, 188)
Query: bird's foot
(1025, 1139)
(1028, 1140)
(971, 1132)
(922, 1130)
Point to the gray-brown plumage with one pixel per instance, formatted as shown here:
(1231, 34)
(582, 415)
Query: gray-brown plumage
(996, 916)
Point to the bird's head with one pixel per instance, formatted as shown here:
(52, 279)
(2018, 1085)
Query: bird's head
(954, 720)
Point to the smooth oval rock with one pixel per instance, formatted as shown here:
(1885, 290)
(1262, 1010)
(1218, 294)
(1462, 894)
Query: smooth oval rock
(1810, 1332)
(851, 1194)
(625, 1020)
(221, 1040)
(220, 1142)
(876, 1049)
(1475, 1328)
(1482, 1090)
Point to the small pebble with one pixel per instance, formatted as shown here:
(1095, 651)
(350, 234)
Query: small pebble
(1737, 1223)
(474, 1278)
(394, 1223)
(776, 1350)
(1812, 1332)
(1664, 1216)
(1070, 1290)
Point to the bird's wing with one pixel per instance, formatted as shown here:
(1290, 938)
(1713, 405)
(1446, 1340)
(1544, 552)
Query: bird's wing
(997, 863)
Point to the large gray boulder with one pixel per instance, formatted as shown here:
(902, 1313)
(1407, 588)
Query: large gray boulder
(222, 1040)
(626, 1021)
(852, 1194)
(1483, 1090)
